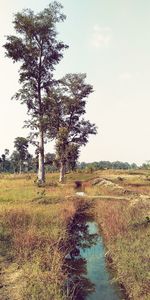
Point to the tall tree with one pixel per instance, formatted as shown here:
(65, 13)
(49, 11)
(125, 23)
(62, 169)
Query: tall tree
(66, 120)
(21, 145)
(37, 48)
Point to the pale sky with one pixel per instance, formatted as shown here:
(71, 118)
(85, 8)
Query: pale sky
(110, 41)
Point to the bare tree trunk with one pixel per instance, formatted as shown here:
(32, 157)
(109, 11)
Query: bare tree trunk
(62, 172)
(41, 169)
(20, 167)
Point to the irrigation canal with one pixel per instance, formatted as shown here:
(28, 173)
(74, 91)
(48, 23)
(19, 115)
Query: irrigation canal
(89, 277)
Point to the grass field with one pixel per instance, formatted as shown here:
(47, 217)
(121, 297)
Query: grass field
(34, 231)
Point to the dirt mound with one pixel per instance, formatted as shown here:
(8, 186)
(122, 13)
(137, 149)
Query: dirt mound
(96, 181)
(105, 182)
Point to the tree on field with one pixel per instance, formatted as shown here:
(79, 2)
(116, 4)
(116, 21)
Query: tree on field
(72, 156)
(6, 151)
(50, 162)
(37, 48)
(21, 145)
(15, 160)
(49, 158)
(4, 161)
(66, 122)
(29, 162)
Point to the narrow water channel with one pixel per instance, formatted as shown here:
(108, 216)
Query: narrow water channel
(89, 278)
(97, 271)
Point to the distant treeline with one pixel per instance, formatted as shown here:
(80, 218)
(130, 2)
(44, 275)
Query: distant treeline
(107, 165)
(11, 164)
(20, 160)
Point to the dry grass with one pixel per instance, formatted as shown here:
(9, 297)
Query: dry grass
(33, 231)
(34, 237)
(33, 224)
(112, 215)
(23, 188)
(126, 229)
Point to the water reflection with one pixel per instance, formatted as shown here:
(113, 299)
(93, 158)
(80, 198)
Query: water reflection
(79, 285)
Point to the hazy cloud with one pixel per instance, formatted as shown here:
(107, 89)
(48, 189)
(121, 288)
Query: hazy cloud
(128, 75)
(102, 36)
(125, 76)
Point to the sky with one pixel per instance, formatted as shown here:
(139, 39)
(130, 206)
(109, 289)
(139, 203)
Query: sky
(110, 42)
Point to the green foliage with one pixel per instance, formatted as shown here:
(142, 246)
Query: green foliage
(67, 104)
(21, 145)
(15, 161)
(97, 165)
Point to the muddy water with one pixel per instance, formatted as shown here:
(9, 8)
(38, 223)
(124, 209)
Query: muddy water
(89, 278)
